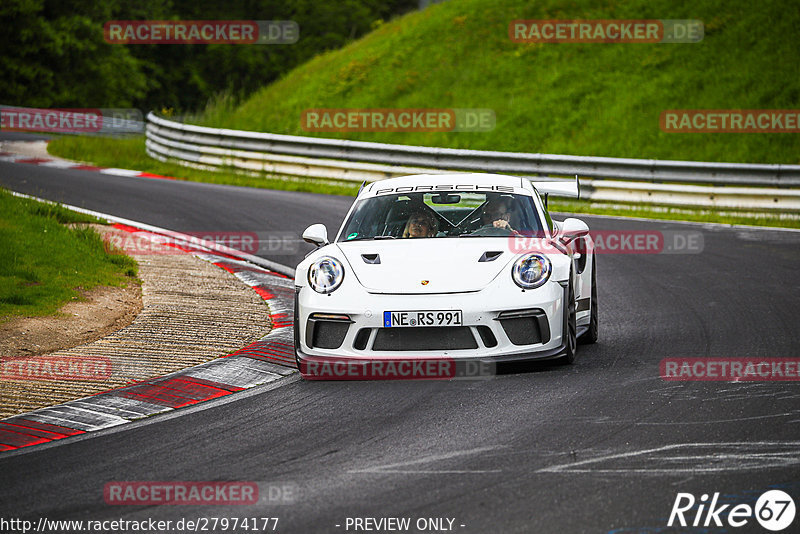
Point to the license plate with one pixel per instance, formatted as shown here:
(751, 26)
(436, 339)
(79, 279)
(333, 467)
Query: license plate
(422, 318)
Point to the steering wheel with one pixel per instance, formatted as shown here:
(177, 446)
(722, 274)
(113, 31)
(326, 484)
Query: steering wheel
(491, 231)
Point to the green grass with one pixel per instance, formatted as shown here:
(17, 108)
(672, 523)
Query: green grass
(129, 153)
(583, 99)
(44, 263)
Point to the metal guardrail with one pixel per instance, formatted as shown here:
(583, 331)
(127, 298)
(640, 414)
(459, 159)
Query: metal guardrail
(672, 182)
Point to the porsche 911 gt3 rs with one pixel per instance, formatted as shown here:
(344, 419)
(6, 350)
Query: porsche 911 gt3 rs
(454, 266)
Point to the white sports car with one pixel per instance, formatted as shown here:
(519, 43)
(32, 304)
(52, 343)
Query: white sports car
(463, 267)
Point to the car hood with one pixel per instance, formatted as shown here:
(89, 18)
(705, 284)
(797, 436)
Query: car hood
(427, 266)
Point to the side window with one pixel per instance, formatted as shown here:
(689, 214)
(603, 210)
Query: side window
(366, 220)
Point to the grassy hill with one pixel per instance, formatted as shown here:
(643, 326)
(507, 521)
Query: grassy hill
(584, 99)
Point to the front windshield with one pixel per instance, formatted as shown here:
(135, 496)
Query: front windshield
(442, 214)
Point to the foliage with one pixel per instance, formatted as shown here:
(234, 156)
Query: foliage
(55, 55)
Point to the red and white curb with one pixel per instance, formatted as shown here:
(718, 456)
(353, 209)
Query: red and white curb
(10, 157)
(263, 361)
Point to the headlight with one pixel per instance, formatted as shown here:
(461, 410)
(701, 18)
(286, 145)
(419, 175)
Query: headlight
(531, 271)
(325, 275)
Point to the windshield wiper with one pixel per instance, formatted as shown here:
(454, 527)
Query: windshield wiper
(384, 237)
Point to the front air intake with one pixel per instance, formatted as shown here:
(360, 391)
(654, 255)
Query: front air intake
(424, 338)
(525, 327)
(326, 331)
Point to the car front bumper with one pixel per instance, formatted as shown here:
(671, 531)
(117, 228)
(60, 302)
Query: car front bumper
(500, 324)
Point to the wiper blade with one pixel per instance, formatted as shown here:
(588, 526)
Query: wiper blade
(384, 237)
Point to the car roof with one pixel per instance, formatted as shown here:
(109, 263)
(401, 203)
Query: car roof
(458, 181)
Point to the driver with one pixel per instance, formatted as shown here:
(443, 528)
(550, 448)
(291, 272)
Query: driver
(421, 223)
(496, 214)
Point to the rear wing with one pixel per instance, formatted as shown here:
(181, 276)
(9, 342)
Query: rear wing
(561, 188)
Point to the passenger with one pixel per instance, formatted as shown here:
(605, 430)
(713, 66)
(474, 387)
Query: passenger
(421, 223)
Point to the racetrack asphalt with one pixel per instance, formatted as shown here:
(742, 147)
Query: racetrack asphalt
(603, 445)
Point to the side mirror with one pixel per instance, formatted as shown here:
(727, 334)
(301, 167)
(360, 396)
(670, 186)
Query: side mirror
(572, 229)
(317, 234)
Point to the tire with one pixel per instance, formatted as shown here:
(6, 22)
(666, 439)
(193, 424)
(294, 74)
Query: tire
(590, 336)
(571, 329)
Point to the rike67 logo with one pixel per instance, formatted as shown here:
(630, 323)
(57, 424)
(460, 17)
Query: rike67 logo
(774, 510)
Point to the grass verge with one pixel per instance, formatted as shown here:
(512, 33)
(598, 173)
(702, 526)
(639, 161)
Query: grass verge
(44, 263)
